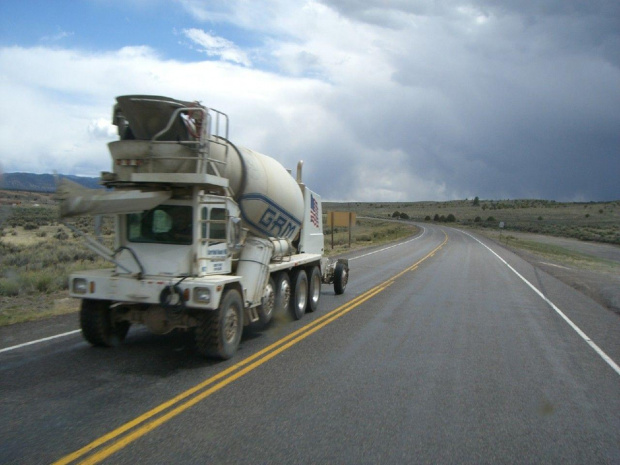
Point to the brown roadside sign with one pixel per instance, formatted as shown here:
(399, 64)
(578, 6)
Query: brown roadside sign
(341, 219)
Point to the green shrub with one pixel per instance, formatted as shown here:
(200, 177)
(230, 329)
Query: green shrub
(9, 287)
(40, 281)
(61, 235)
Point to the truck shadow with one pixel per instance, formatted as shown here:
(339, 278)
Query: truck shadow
(147, 354)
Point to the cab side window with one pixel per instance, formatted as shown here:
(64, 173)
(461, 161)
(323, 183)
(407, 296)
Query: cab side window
(214, 226)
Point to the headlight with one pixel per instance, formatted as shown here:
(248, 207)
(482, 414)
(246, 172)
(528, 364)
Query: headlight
(202, 295)
(80, 286)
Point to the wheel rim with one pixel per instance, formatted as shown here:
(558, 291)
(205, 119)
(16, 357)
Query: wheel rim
(345, 277)
(231, 324)
(316, 289)
(270, 300)
(301, 295)
(285, 290)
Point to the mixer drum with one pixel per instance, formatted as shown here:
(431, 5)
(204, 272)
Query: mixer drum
(270, 200)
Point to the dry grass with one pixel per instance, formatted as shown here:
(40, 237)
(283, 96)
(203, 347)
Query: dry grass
(37, 254)
(592, 221)
(556, 253)
(366, 233)
(35, 306)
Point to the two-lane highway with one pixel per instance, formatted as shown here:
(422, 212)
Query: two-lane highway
(444, 349)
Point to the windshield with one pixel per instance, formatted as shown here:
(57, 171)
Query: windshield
(165, 224)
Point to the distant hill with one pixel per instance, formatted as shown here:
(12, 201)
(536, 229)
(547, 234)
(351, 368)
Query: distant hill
(41, 182)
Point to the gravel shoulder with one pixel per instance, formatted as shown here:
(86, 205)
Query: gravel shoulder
(594, 272)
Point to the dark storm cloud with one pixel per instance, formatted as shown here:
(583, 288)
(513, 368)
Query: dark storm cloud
(384, 100)
(515, 99)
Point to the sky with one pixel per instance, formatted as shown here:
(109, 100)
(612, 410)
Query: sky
(384, 100)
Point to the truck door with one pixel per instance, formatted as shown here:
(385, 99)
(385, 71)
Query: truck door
(213, 256)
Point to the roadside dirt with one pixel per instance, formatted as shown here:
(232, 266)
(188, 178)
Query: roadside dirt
(601, 284)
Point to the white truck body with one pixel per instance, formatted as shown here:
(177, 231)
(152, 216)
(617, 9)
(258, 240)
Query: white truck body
(209, 235)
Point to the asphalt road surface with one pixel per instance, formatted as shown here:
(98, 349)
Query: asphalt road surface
(445, 348)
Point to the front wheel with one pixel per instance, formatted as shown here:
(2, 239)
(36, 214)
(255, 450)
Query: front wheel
(98, 326)
(219, 333)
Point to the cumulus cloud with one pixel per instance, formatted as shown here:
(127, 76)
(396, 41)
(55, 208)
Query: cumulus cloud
(215, 46)
(67, 110)
(396, 100)
(102, 129)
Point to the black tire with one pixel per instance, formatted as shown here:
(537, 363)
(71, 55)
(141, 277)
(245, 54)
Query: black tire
(219, 333)
(283, 292)
(314, 288)
(341, 278)
(98, 327)
(299, 296)
(267, 308)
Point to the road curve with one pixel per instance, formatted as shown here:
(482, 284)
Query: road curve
(446, 348)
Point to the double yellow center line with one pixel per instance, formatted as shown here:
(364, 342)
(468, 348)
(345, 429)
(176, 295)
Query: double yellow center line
(135, 429)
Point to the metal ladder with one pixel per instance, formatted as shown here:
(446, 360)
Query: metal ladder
(210, 134)
(205, 223)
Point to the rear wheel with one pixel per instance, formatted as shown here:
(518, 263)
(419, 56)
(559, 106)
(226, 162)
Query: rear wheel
(98, 326)
(341, 278)
(299, 299)
(219, 333)
(314, 288)
(283, 292)
(266, 308)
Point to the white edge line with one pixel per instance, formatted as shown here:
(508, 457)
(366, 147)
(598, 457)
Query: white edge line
(578, 330)
(39, 340)
(391, 246)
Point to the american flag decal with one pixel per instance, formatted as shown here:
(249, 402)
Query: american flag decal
(314, 211)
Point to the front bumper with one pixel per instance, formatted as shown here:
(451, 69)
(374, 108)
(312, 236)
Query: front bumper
(199, 293)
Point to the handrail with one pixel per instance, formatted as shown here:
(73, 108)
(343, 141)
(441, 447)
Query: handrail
(173, 118)
(213, 129)
(206, 127)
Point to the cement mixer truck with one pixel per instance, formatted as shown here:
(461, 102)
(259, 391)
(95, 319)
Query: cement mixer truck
(209, 236)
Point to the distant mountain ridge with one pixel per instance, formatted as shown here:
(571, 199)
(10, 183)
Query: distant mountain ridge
(42, 182)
